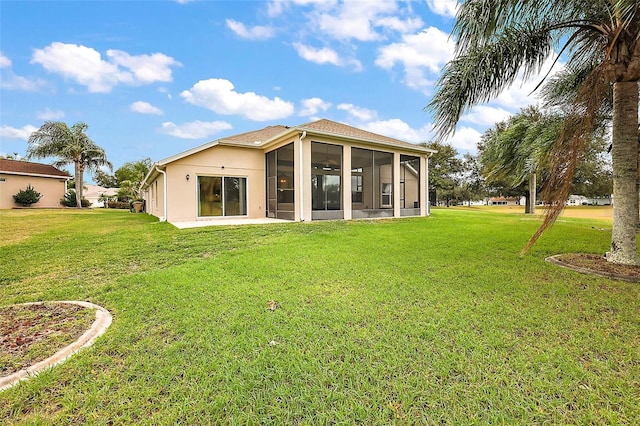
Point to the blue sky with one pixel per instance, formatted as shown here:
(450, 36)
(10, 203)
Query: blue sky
(155, 78)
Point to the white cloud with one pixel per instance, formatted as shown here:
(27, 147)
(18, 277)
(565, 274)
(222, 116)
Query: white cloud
(195, 129)
(312, 106)
(398, 129)
(48, 114)
(10, 81)
(255, 33)
(16, 82)
(13, 133)
(396, 24)
(359, 113)
(325, 55)
(219, 96)
(4, 61)
(145, 108)
(145, 68)
(428, 50)
(446, 8)
(465, 138)
(86, 66)
(353, 19)
(485, 115)
(276, 7)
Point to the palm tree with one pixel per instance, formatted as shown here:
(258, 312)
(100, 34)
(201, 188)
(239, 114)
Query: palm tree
(69, 146)
(515, 152)
(498, 39)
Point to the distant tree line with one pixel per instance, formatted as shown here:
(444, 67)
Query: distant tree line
(513, 160)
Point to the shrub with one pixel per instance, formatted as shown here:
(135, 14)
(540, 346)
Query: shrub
(118, 205)
(69, 200)
(27, 196)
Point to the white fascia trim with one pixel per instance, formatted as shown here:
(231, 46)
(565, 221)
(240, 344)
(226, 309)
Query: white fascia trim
(417, 148)
(2, 172)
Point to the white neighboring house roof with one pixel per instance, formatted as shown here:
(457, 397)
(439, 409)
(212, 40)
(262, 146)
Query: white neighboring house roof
(95, 191)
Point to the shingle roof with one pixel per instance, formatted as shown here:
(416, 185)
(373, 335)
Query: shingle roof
(340, 129)
(250, 138)
(258, 138)
(29, 168)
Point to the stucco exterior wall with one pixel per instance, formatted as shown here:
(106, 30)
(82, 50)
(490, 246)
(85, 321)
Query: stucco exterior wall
(51, 189)
(182, 204)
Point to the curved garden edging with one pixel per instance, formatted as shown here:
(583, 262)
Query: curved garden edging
(102, 322)
(556, 261)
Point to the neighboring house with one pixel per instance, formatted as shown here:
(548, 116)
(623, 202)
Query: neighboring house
(92, 193)
(600, 201)
(577, 200)
(506, 201)
(318, 170)
(15, 175)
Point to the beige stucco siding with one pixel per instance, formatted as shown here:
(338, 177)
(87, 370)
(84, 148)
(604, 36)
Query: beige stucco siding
(51, 189)
(182, 204)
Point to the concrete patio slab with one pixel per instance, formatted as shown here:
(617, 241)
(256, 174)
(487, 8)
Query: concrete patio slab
(227, 222)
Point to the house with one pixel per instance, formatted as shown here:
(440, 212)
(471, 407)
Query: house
(16, 175)
(577, 200)
(314, 171)
(600, 201)
(94, 193)
(506, 201)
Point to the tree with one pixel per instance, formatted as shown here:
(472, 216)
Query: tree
(514, 156)
(69, 146)
(471, 183)
(443, 167)
(14, 156)
(130, 176)
(105, 180)
(513, 153)
(499, 39)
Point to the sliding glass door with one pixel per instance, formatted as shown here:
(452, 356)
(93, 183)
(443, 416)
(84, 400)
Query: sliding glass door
(222, 196)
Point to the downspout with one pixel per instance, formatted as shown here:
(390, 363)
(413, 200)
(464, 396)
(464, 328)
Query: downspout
(428, 200)
(302, 136)
(164, 218)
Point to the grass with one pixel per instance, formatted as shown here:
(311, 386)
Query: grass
(409, 321)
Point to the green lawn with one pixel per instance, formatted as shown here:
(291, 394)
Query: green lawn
(411, 321)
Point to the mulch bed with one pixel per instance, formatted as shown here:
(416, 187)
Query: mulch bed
(32, 333)
(597, 265)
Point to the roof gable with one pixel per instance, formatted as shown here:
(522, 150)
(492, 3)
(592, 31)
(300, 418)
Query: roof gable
(340, 129)
(29, 168)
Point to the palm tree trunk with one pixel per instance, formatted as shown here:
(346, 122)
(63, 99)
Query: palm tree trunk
(625, 172)
(79, 184)
(532, 193)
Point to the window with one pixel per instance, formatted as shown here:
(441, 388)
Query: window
(222, 196)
